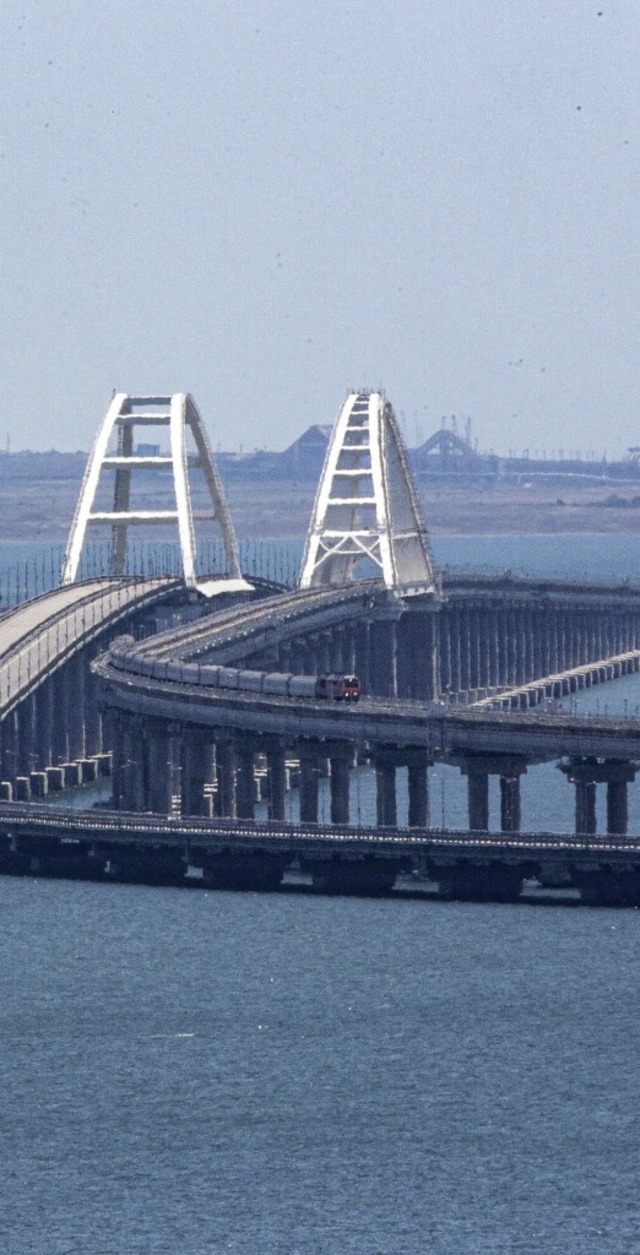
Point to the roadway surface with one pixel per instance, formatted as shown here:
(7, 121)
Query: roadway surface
(38, 636)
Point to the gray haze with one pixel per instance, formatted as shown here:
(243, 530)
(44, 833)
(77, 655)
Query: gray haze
(267, 204)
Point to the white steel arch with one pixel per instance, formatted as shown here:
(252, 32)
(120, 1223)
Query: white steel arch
(366, 506)
(124, 413)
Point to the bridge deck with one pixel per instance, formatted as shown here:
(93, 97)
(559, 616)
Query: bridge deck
(147, 829)
(37, 637)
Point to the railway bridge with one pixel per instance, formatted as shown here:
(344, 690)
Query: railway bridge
(185, 713)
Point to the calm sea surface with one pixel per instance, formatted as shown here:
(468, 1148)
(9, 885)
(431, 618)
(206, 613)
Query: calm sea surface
(186, 1072)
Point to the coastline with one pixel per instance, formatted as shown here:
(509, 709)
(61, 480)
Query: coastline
(41, 510)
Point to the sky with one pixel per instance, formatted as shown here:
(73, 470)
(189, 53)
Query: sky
(269, 204)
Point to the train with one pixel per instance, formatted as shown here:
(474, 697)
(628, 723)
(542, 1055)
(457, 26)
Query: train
(335, 686)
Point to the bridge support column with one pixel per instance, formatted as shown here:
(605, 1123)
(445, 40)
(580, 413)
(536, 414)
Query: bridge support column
(386, 808)
(417, 781)
(132, 769)
(245, 780)
(277, 782)
(383, 645)
(44, 728)
(585, 774)
(478, 800)
(225, 779)
(27, 735)
(510, 803)
(197, 769)
(415, 655)
(618, 775)
(75, 708)
(617, 807)
(478, 769)
(10, 748)
(60, 732)
(309, 783)
(93, 719)
(163, 762)
(585, 806)
(362, 654)
(340, 762)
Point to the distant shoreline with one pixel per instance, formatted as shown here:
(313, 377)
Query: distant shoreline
(41, 510)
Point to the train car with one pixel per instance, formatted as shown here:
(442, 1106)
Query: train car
(302, 686)
(276, 683)
(340, 688)
(250, 681)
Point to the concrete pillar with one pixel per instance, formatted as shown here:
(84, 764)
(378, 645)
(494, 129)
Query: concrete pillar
(617, 807)
(55, 774)
(362, 655)
(162, 766)
(323, 653)
(245, 780)
(224, 804)
(197, 766)
(9, 728)
(92, 715)
(44, 728)
(310, 656)
(510, 803)
(75, 708)
(443, 653)
(277, 782)
(297, 657)
(416, 662)
(60, 735)
(478, 800)
(585, 774)
(585, 806)
(465, 656)
(473, 676)
(418, 791)
(383, 654)
(349, 649)
(130, 787)
(309, 784)
(284, 657)
(386, 810)
(26, 735)
(339, 760)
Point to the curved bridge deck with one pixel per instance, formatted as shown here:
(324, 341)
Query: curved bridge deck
(38, 636)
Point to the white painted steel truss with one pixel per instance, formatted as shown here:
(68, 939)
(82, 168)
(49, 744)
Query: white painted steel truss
(122, 416)
(366, 506)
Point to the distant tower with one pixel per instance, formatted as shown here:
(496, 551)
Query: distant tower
(125, 413)
(366, 506)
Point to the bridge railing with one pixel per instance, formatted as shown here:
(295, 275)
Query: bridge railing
(17, 815)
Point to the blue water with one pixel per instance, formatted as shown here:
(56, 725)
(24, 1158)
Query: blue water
(28, 568)
(198, 1072)
(192, 1072)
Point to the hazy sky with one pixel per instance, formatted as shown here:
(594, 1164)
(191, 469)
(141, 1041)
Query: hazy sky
(267, 204)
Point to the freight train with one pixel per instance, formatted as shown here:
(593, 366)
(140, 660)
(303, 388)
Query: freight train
(333, 687)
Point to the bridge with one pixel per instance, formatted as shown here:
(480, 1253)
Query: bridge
(182, 717)
(152, 849)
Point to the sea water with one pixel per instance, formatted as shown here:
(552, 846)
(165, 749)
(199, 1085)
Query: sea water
(188, 1072)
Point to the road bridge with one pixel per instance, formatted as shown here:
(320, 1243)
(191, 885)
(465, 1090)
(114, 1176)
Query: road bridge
(50, 720)
(187, 715)
(151, 849)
